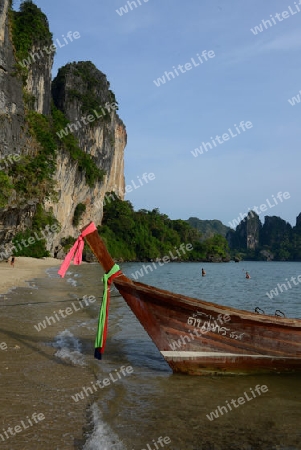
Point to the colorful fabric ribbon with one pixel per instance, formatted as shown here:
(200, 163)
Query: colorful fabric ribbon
(102, 329)
(76, 251)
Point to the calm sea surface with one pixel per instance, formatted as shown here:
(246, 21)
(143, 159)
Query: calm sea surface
(43, 371)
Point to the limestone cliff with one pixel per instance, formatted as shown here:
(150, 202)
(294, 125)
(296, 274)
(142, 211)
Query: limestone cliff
(298, 222)
(57, 173)
(80, 90)
(274, 231)
(12, 123)
(247, 233)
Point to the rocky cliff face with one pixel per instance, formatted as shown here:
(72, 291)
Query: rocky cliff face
(276, 239)
(247, 233)
(274, 231)
(39, 79)
(12, 124)
(103, 140)
(11, 98)
(82, 93)
(298, 222)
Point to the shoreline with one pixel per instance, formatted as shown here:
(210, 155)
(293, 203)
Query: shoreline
(42, 365)
(25, 270)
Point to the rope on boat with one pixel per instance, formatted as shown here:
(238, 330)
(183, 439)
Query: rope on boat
(278, 313)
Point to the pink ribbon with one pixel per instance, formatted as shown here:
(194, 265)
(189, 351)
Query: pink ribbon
(76, 251)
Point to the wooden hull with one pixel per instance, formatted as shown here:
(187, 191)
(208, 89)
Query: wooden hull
(247, 343)
(201, 338)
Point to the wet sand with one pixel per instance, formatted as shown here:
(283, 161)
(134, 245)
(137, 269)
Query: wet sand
(40, 371)
(34, 379)
(25, 269)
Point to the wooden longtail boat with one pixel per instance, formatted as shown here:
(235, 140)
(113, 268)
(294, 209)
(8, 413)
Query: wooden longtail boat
(200, 338)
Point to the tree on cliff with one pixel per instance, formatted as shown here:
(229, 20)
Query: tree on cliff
(146, 235)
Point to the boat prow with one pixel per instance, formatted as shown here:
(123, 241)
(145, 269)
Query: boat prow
(203, 338)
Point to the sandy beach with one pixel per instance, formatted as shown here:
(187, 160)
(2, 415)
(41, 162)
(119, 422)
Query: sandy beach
(25, 270)
(40, 368)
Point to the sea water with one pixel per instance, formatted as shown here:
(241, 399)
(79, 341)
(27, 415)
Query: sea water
(53, 371)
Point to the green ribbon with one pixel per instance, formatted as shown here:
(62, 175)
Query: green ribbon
(103, 310)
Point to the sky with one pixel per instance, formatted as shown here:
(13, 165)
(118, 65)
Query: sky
(249, 79)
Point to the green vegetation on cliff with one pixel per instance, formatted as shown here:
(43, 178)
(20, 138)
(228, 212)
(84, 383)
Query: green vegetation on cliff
(5, 189)
(33, 175)
(31, 242)
(145, 235)
(78, 212)
(30, 28)
(90, 89)
(208, 228)
(69, 142)
(35, 250)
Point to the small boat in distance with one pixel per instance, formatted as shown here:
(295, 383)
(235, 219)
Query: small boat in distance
(196, 337)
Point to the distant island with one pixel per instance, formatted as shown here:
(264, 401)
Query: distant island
(274, 240)
(148, 235)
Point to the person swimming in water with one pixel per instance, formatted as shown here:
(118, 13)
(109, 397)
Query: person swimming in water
(248, 275)
(203, 272)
